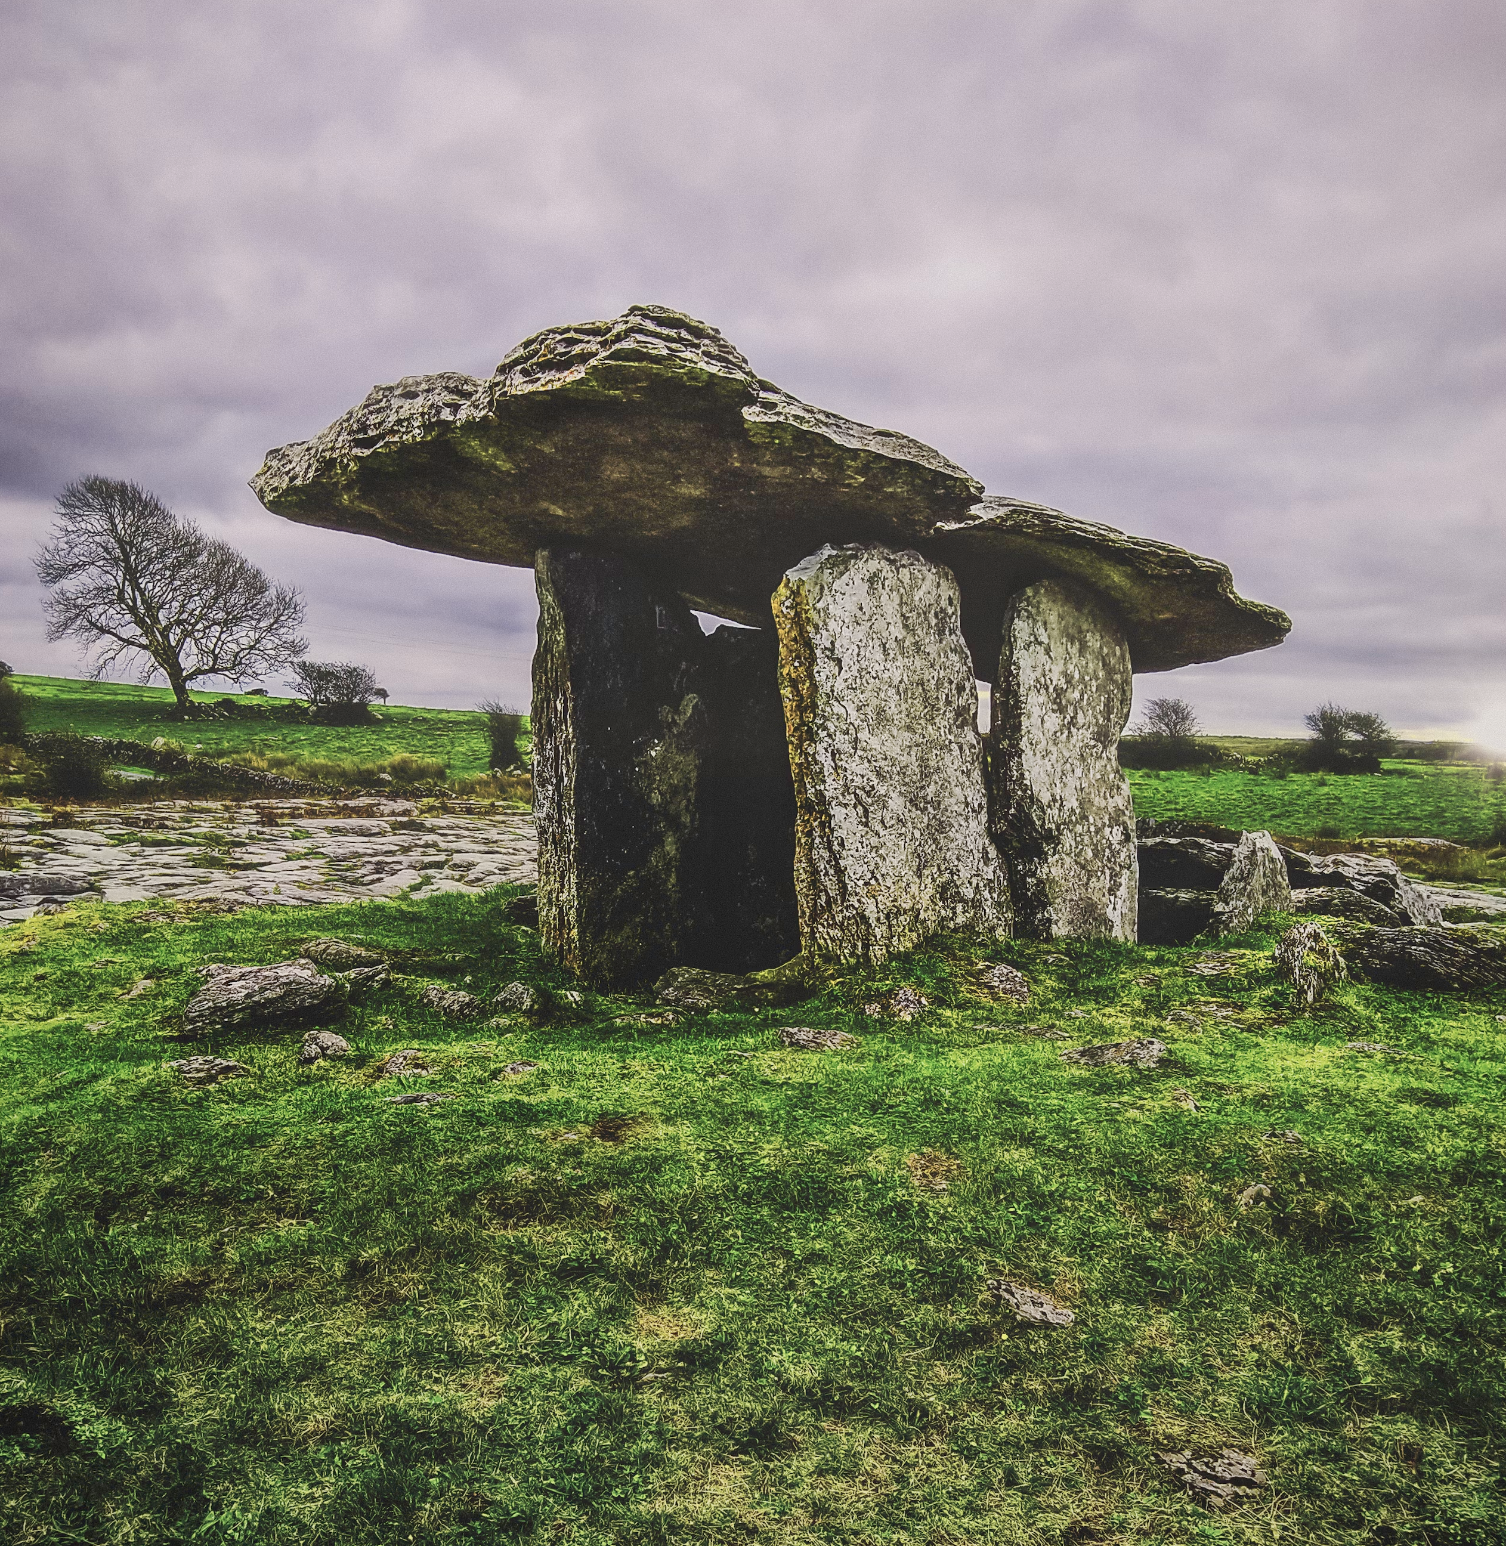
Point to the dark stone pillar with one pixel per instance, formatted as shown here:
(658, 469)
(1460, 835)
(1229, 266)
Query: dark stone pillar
(620, 739)
(747, 836)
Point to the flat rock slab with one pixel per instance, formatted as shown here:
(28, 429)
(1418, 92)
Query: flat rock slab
(1142, 1052)
(1447, 956)
(1219, 1479)
(208, 1070)
(651, 434)
(804, 1038)
(292, 853)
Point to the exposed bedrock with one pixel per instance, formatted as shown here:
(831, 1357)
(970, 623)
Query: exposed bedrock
(620, 738)
(662, 791)
(651, 435)
(891, 836)
(1061, 809)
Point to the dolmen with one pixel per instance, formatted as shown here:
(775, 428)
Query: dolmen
(815, 780)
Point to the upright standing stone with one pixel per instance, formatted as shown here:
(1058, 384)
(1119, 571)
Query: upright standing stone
(1061, 804)
(891, 835)
(620, 736)
(747, 827)
(1255, 883)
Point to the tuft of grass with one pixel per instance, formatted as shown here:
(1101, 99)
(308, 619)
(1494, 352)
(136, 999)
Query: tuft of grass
(679, 1283)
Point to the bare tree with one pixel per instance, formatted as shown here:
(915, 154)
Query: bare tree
(128, 578)
(1172, 719)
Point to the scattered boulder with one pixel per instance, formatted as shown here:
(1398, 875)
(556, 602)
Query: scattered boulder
(1377, 878)
(1183, 863)
(1341, 902)
(250, 995)
(904, 1003)
(891, 842)
(807, 1039)
(1060, 804)
(318, 1045)
(339, 955)
(519, 998)
(1446, 956)
(362, 979)
(1309, 960)
(1142, 1052)
(1030, 1304)
(1254, 883)
(208, 1070)
(1216, 1480)
(1254, 1194)
(1002, 981)
(1175, 916)
(688, 987)
(522, 1066)
(452, 1003)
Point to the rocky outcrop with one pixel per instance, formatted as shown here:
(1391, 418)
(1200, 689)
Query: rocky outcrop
(1340, 902)
(1254, 883)
(620, 734)
(1442, 957)
(1184, 863)
(1376, 878)
(1060, 804)
(891, 837)
(652, 435)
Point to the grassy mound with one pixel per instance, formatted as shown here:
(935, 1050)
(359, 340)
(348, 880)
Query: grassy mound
(679, 1283)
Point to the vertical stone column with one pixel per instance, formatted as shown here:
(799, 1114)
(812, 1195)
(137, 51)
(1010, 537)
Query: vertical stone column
(1062, 814)
(747, 828)
(620, 733)
(891, 835)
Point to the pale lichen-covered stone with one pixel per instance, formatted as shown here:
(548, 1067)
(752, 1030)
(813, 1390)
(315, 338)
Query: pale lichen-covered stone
(1061, 808)
(620, 733)
(891, 838)
(1254, 883)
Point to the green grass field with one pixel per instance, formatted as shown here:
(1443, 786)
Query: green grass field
(128, 711)
(680, 1285)
(1454, 800)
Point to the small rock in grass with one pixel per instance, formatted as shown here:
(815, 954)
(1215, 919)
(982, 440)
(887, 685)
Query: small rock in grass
(1077, 1014)
(1254, 1194)
(322, 1044)
(1004, 982)
(418, 1098)
(931, 1171)
(1286, 1135)
(1149, 980)
(1218, 963)
(807, 1039)
(452, 1003)
(409, 1062)
(1142, 1052)
(1186, 1100)
(688, 987)
(361, 979)
(1184, 1017)
(518, 998)
(137, 989)
(248, 995)
(1029, 1304)
(1372, 1046)
(665, 1017)
(1216, 1480)
(338, 955)
(208, 1070)
(522, 1066)
(1308, 959)
(904, 1003)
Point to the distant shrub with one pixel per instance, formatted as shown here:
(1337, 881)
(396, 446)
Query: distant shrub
(1345, 741)
(12, 712)
(399, 771)
(72, 767)
(505, 728)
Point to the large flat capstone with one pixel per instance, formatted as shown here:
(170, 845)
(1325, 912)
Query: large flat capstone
(651, 435)
(891, 838)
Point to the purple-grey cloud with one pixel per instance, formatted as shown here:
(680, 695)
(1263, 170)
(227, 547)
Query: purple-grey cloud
(1227, 276)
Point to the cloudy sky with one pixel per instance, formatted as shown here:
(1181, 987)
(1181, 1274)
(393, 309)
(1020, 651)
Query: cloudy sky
(1226, 275)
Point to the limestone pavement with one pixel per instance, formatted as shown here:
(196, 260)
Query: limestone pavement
(289, 853)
